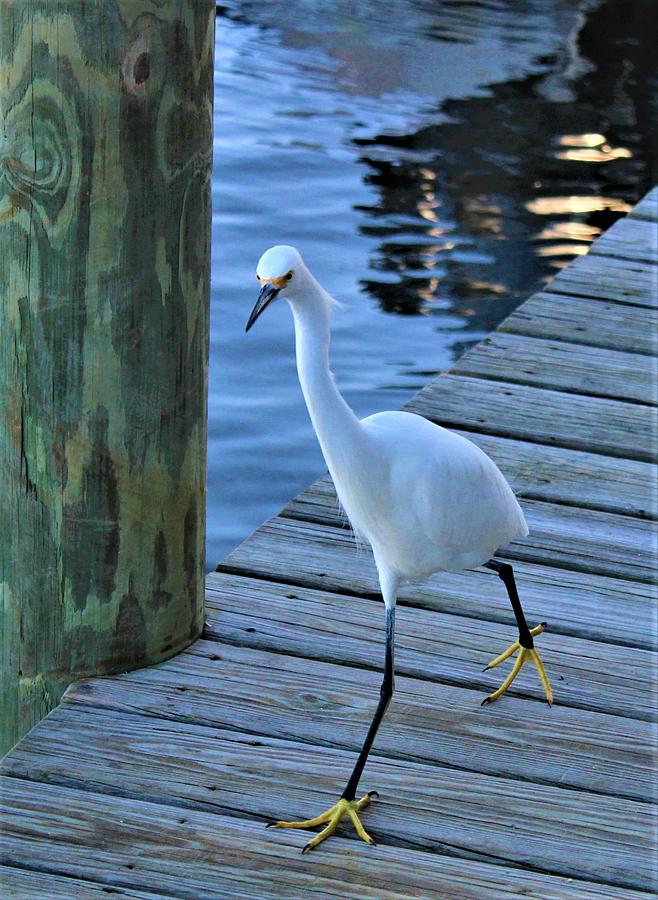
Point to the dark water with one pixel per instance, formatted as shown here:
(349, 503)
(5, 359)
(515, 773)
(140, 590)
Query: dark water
(436, 163)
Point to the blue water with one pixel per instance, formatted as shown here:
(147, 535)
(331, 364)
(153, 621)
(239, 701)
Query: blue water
(435, 163)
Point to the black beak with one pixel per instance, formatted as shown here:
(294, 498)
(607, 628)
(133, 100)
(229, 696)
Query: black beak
(267, 293)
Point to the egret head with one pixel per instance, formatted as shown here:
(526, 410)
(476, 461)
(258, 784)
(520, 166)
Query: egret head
(279, 269)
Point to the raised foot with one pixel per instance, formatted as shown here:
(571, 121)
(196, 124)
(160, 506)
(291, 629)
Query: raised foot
(525, 654)
(331, 818)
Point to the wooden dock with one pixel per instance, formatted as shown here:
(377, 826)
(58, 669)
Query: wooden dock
(158, 783)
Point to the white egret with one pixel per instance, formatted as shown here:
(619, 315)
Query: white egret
(425, 499)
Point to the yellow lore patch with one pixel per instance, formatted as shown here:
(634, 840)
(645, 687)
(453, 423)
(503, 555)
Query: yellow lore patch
(275, 282)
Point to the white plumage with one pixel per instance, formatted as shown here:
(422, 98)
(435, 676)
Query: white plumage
(425, 499)
(446, 504)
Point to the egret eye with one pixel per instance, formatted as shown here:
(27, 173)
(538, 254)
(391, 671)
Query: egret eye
(288, 276)
(257, 277)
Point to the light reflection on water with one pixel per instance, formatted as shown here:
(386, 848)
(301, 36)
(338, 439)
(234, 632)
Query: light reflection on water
(565, 206)
(435, 164)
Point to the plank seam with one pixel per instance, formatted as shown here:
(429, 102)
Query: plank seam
(511, 553)
(468, 683)
(91, 878)
(243, 734)
(313, 582)
(496, 431)
(527, 493)
(326, 478)
(643, 515)
(510, 326)
(611, 253)
(441, 848)
(488, 376)
(581, 295)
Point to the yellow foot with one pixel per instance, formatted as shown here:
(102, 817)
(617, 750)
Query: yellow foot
(525, 654)
(331, 818)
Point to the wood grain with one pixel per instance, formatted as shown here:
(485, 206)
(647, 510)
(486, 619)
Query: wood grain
(561, 366)
(26, 884)
(105, 229)
(586, 322)
(605, 278)
(435, 646)
(196, 854)
(325, 704)
(647, 208)
(534, 414)
(573, 477)
(566, 536)
(575, 603)
(630, 239)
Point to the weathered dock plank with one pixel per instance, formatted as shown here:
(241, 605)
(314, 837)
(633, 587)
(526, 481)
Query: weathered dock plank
(569, 537)
(633, 239)
(598, 425)
(195, 854)
(26, 884)
(434, 808)
(434, 646)
(566, 536)
(314, 702)
(575, 603)
(593, 323)
(647, 208)
(605, 278)
(560, 366)
(574, 477)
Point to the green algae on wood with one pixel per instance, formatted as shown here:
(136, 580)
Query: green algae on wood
(105, 163)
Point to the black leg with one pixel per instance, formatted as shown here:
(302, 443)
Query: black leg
(506, 574)
(385, 695)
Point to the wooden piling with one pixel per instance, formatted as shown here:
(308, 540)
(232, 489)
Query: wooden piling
(105, 166)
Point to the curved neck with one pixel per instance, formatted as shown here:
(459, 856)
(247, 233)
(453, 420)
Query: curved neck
(334, 422)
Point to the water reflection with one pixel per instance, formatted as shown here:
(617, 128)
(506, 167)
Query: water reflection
(436, 162)
(582, 140)
(496, 160)
(551, 206)
(603, 155)
(569, 230)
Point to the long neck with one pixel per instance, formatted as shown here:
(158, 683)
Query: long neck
(336, 426)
